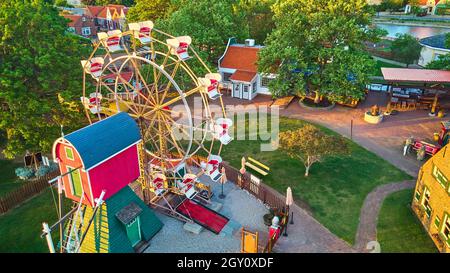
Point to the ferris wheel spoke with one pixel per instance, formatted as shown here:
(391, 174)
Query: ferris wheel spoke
(143, 80)
(183, 130)
(117, 99)
(170, 130)
(157, 75)
(170, 83)
(174, 100)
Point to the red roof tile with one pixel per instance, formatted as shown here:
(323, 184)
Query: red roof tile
(241, 58)
(243, 76)
(415, 75)
(74, 19)
(112, 9)
(95, 10)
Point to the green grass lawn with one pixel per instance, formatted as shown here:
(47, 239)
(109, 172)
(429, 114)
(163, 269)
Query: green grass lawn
(20, 228)
(398, 228)
(8, 178)
(335, 189)
(381, 64)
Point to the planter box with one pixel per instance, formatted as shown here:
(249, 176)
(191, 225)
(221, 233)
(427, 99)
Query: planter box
(372, 119)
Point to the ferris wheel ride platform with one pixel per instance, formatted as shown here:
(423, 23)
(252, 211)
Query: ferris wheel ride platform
(203, 216)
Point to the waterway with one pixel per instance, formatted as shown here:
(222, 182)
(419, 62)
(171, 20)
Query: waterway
(416, 31)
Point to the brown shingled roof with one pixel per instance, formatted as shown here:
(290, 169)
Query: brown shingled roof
(243, 76)
(241, 58)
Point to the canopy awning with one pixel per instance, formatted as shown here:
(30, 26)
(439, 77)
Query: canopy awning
(416, 75)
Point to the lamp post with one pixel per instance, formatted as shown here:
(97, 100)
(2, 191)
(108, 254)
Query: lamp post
(223, 180)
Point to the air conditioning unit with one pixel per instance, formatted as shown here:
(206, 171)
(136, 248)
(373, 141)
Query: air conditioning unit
(249, 42)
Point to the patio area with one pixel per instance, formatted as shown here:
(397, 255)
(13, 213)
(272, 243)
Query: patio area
(240, 207)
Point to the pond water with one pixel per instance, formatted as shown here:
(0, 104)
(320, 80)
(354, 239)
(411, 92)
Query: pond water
(416, 31)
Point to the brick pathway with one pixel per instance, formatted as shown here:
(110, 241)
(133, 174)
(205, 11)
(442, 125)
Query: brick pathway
(307, 235)
(367, 229)
(385, 139)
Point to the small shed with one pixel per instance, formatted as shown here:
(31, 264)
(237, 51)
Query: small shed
(101, 156)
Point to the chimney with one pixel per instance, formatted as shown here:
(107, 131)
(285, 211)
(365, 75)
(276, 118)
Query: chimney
(249, 42)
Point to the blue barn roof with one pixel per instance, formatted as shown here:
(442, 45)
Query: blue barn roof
(99, 141)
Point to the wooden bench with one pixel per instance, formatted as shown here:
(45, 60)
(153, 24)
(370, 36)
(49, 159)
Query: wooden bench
(262, 169)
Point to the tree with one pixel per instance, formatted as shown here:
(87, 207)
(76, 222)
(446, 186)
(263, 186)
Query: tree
(127, 3)
(391, 5)
(259, 15)
(150, 10)
(406, 48)
(310, 145)
(210, 24)
(318, 45)
(442, 63)
(62, 3)
(40, 76)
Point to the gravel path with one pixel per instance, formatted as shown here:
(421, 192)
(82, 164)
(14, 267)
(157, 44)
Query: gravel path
(367, 228)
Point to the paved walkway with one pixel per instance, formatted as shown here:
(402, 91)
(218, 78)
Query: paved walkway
(307, 235)
(367, 229)
(385, 139)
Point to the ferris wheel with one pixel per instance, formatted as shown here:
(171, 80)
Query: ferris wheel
(160, 81)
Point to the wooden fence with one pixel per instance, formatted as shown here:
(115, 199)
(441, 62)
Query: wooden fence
(264, 193)
(256, 188)
(28, 190)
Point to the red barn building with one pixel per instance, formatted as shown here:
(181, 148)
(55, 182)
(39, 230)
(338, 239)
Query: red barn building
(101, 156)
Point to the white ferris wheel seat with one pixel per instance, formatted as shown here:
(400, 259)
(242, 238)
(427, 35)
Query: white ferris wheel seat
(94, 67)
(158, 183)
(211, 85)
(111, 39)
(187, 186)
(212, 167)
(142, 31)
(92, 103)
(179, 46)
(221, 130)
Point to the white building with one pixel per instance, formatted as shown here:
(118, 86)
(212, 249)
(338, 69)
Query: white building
(238, 67)
(432, 48)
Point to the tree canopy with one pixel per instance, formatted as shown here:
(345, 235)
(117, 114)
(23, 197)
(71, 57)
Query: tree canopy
(406, 48)
(258, 14)
(317, 47)
(310, 145)
(40, 75)
(209, 23)
(150, 10)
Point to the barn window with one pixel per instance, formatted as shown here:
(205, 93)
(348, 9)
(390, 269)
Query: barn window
(440, 177)
(69, 153)
(75, 181)
(426, 202)
(446, 228)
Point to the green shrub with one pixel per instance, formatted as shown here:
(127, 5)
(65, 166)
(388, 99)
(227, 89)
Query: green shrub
(43, 170)
(24, 173)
